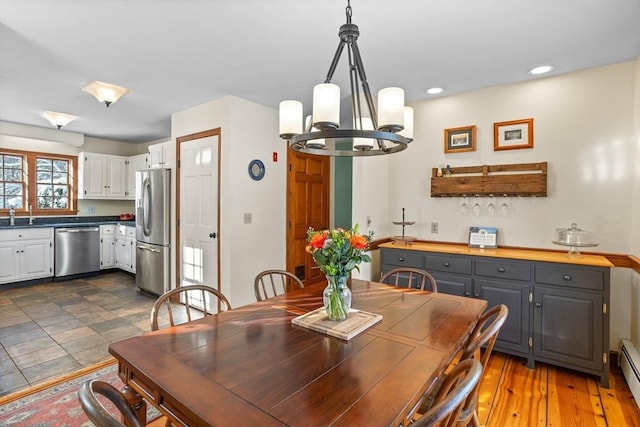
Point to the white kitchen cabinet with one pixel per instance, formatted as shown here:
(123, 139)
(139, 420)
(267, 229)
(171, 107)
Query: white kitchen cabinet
(133, 164)
(101, 176)
(26, 254)
(161, 155)
(126, 248)
(107, 246)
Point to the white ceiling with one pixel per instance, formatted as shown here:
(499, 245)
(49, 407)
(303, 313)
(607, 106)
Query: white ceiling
(176, 54)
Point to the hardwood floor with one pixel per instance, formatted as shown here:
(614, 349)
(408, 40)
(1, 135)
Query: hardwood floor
(513, 395)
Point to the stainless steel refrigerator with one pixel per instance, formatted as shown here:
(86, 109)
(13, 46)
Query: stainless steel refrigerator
(153, 230)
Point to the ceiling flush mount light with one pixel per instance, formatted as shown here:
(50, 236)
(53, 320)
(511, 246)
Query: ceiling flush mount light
(542, 69)
(435, 90)
(105, 92)
(58, 119)
(385, 131)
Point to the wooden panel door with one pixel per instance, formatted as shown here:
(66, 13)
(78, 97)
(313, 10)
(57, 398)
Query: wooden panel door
(308, 183)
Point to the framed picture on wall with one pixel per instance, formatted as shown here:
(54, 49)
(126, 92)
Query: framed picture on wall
(460, 139)
(513, 135)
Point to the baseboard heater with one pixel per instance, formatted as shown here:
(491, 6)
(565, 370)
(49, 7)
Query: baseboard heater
(629, 361)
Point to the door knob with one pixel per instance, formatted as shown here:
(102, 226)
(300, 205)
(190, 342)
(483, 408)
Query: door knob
(212, 235)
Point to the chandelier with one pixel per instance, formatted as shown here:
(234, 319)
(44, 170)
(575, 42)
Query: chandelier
(375, 132)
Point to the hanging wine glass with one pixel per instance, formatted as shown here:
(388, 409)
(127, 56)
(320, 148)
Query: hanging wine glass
(464, 207)
(491, 207)
(476, 206)
(504, 207)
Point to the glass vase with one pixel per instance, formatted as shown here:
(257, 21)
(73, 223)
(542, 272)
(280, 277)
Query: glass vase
(337, 297)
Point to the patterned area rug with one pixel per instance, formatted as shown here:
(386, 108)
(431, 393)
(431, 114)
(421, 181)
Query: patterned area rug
(55, 403)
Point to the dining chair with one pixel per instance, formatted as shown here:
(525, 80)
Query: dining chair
(409, 275)
(189, 298)
(270, 283)
(484, 334)
(97, 413)
(450, 398)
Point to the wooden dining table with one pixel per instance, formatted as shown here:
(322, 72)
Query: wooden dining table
(251, 366)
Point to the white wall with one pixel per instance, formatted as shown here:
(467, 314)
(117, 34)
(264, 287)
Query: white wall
(248, 131)
(584, 127)
(635, 227)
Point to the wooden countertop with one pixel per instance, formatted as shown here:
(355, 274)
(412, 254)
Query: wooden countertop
(512, 253)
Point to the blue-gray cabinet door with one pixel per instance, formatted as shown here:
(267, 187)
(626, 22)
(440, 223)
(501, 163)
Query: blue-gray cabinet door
(514, 334)
(568, 326)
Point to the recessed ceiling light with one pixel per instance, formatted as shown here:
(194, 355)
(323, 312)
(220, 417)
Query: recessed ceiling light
(541, 69)
(435, 90)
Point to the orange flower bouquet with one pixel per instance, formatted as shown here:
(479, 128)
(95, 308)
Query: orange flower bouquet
(337, 252)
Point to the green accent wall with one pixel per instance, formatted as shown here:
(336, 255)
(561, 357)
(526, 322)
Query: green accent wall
(343, 188)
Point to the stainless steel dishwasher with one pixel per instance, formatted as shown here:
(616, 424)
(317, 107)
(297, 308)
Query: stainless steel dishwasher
(77, 251)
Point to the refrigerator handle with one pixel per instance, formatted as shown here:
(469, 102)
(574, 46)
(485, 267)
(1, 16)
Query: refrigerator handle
(146, 206)
(147, 248)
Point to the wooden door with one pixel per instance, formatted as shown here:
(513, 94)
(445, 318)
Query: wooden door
(308, 183)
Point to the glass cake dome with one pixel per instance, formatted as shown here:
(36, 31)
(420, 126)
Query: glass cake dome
(575, 238)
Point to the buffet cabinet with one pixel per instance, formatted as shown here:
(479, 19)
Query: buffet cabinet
(558, 311)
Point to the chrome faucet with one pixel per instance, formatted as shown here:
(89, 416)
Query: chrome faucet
(12, 216)
(30, 214)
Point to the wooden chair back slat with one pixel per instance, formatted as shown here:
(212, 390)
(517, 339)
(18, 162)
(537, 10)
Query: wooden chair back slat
(450, 398)
(270, 283)
(395, 276)
(208, 295)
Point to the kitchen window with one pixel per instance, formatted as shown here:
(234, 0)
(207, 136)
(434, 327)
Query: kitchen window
(45, 182)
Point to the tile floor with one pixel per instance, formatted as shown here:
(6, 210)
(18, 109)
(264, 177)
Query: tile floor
(50, 329)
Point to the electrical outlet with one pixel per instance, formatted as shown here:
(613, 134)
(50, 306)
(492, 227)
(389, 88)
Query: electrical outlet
(91, 210)
(247, 218)
(434, 227)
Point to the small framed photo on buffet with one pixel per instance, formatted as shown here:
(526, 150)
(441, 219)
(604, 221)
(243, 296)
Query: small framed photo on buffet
(483, 237)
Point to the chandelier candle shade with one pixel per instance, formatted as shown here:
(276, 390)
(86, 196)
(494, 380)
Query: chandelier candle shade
(336, 253)
(375, 132)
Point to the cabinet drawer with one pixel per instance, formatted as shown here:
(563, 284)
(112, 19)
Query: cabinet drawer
(126, 231)
(503, 269)
(400, 258)
(26, 233)
(447, 264)
(454, 285)
(107, 230)
(561, 275)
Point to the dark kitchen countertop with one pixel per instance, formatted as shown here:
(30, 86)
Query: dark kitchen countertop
(64, 221)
